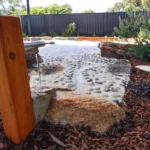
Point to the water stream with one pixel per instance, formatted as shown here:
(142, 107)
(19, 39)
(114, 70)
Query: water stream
(38, 70)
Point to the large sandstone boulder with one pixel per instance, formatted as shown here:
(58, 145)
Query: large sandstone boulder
(113, 50)
(98, 113)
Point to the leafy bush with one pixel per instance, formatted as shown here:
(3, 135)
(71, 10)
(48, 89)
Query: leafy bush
(142, 51)
(71, 30)
(132, 26)
(137, 27)
(94, 35)
(24, 35)
(52, 33)
(43, 34)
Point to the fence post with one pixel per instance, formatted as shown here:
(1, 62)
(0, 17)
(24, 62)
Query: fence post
(15, 95)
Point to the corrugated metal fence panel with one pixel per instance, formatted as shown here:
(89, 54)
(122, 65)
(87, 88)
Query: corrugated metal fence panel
(24, 24)
(100, 24)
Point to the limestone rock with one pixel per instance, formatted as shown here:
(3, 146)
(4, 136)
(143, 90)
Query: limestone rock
(98, 113)
(41, 100)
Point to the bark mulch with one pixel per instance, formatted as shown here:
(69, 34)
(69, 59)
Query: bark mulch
(133, 133)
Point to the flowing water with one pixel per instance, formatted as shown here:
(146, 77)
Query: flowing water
(38, 70)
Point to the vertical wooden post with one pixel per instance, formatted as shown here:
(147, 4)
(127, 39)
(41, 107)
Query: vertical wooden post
(15, 95)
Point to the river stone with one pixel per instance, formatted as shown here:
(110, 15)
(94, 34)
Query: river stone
(96, 88)
(88, 92)
(91, 84)
(114, 90)
(116, 96)
(99, 82)
(90, 89)
(97, 91)
(104, 95)
(89, 80)
(98, 113)
(70, 85)
(68, 81)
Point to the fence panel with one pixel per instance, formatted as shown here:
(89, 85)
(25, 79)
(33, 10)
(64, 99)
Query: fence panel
(100, 24)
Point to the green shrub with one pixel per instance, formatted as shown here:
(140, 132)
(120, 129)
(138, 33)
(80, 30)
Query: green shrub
(142, 51)
(43, 34)
(52, 33)
(94, 35)
(137, 27)
(71, 30)
(24, 35)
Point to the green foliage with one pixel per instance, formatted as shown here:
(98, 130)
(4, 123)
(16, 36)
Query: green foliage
(24, 35)
(135, 5)
(43, 34)
(142, 51)
(135, 26)
(52, 9)
(11, 7)
(94, 35)
(52, 33)
(71, 30)
(88, 11)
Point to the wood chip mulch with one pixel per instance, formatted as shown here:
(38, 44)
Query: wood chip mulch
(133, 133)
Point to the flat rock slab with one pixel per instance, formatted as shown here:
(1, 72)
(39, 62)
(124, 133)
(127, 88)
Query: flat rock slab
(98, 113)
(41, 101)
(84, 70)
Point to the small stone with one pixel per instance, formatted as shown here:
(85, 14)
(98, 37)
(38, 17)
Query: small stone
(110, 85)
(85, 74)
(70, 85)
(114, 90)
(89, 80)
(91, 84)
(88, 92)
(99, 82)
(97, 88)
(90, 89)
(68, 81)
(115, 100)
(116, 96)
(55, 82)
(61, 79)
(107, 90)
(97, 91)
(96, 78)
(69, 75)
(117, 78)
(105, 95)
